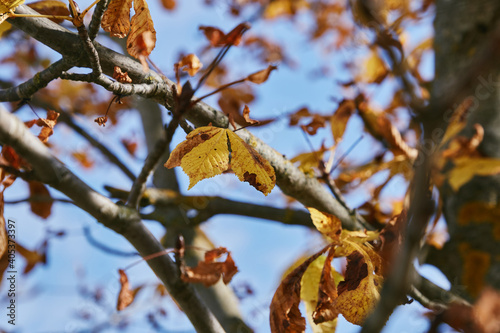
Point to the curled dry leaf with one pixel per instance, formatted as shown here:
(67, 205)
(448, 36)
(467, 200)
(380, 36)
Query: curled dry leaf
(261, 76)
(246, 115)
(205, 154)
(116, 19)
(47, 125)
(101, 121)
(327, 293)
(42, 203)
(210, 271)
(51, 7)
(142, 38)
(285, 316)
(120, 76)
(190, 64)
(126, 295)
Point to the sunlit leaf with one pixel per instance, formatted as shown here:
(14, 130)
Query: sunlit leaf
(8, 5)
(190, 64)
(328, 224)
(51, 7)
(126, 295)
(116, 19)
(41, 204)
(261, 76)
(142, 38)
(466, 168)
(209, 271)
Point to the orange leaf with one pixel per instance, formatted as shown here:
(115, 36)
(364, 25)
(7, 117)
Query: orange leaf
(120, 76)
(130, 146)
(51, 7)
(209, 271)
(81, 156)
(126, 295)
(261, 76)
(285, 316)
(246, 115)
(190, 64)
(33, 258)
(340, 118)
(47, 125)
(42, 203)
(116, 19)
(234, 36)
(168, 4)
(214, 35)
(142, 38)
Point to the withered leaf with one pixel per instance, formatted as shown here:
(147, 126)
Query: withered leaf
(51, 7)
(210, 271)
(139, 44)
(47, 125)
(327, 293)
(328, 224)
(126, 295)
(246, 115)
(338, 122)
(214, 35)
(116, 19)
(261, 76)
(168, 4)
(33, 258)
(190, 64)
(120, 76)
(41, 204)
(285, 316)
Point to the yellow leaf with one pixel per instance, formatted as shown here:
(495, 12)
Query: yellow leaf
(51, 7)
(458, 121)
(284, 7)
(208, 159)
(249, 166)
(141, 23)
(329, 225)
(8, 5)
(4, 27)
(374, 69)
(116, 19)
(309, 161)
(205, 154)
(466, 168)
(338, 121)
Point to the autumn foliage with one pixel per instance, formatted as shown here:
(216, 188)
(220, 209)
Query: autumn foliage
(385, 158)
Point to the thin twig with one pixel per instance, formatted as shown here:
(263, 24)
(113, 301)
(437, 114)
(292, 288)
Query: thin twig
(103, 247)
(38, 198)
(40, 80)
(91, 51)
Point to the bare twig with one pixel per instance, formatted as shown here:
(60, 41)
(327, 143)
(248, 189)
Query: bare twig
(95, 23)
(105, 248)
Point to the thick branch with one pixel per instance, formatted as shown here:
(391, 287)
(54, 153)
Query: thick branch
(121, 219)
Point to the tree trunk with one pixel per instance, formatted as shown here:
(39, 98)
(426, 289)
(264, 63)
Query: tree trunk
(471, 259)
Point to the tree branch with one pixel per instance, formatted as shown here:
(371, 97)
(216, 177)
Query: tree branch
(290, 179)
(121, 219)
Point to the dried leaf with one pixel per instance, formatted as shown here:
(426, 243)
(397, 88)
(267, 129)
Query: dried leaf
(317, 122)
(234, 36)
(33, 258)
(246, 115)
(310, 161)
(285, 316)
(120, 76)
(214, 35)
(101, 121)
(130, 146)
(338, 122)
(126, 295)
(486, 311)
(374, 69)
(51, 7)
(209, 271)
(47, 125)
(284, 8)
(42, 203)
(82, 157)
(327, 294)
(261, 76)
(329, 225)
(116, 19)
(190, 64)
(142, 38)
(205, 154)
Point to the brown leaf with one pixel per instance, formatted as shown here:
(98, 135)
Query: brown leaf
(82, 157)
(299, 114)
(42, 203)
(391, 238)
(51, 7)
(101, 121)
(261, 76)
(316, 123)
(327, 293)
(234, 36)
(168, 4)
(209, 271)
(142, 38)
(33, 258)
(47, 125)
(486, 311)
(246, 115)
(126, 295)
(338, 122)
(190, 64)
(120, 76)
(214, 35)
(116, 19)
(130, 146)
(285, 316)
